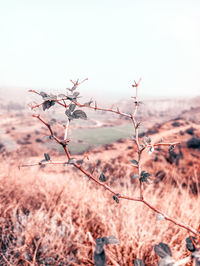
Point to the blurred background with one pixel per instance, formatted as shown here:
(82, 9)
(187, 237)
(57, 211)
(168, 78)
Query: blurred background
(46, 43)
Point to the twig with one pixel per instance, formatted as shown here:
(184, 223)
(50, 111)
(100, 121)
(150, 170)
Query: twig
(140, 149)
(81, 105)
(95, 107)
(43, 163)
(141, 199)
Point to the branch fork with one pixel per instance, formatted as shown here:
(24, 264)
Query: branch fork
(132, 117)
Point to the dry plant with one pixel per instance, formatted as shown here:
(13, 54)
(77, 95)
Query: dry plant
(70, 102)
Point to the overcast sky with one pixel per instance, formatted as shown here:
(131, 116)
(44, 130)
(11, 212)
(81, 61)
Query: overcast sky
(44, 43)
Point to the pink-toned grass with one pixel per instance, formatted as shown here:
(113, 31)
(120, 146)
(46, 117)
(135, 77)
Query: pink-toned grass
(54, 218)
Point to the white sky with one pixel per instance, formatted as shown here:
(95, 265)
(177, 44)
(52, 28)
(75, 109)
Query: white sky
(44, 43)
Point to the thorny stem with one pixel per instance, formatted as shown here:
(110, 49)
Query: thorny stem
(81, 105)
(43, 163)
(136, 126)
(139, 152)
(38, 105)
(102, 109)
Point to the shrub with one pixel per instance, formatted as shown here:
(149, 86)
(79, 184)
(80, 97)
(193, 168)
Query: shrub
(73, 111)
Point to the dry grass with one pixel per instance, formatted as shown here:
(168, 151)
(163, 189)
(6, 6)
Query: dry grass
(54, 219)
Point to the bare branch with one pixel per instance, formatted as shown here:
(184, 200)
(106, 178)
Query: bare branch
(140, 149)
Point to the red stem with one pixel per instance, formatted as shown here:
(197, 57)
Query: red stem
(139, 151)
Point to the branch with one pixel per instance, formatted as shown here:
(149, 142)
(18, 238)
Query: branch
(80, 105)
(58, 101)
(43, 163)
(106, 187)
(160, 144)
(140, 149)
(102, 109)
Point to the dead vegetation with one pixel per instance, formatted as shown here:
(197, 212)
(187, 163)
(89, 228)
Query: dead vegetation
(53, 219)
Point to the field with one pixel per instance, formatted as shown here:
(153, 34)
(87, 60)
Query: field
(83, 140)
(53, 215)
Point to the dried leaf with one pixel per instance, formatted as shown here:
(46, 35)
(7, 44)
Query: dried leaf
(79, 114)
(148, 139)
(47, 105)
(102, 177)
(116, 198)
(171, 148)
(144, 177)
(43, 94)
(162, 250)
(72, 107)
(89, 103)
(69, 114)
(134, 162)
(189, 243)
(47, 157)
(99, 253)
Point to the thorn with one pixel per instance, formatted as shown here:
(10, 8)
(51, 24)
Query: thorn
(37, 116)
